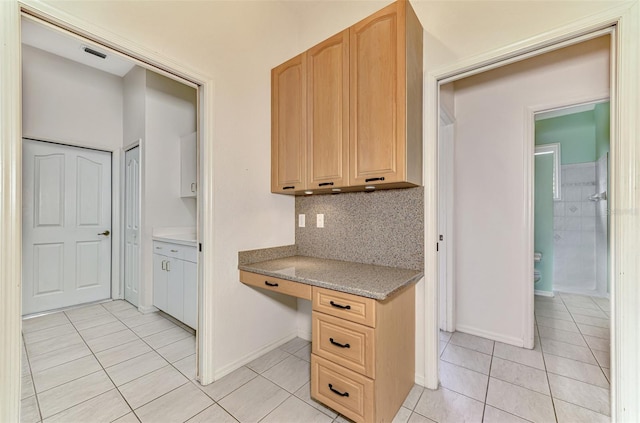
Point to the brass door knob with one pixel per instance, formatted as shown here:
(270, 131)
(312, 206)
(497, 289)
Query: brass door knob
(105, 233)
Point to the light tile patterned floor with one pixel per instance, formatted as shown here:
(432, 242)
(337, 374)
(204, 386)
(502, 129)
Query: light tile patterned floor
(108, 362)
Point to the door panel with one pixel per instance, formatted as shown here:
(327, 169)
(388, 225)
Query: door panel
(49, 185)
(48, 265)
(88, 264)
(66, 210)
(89, 193)
(132, 226)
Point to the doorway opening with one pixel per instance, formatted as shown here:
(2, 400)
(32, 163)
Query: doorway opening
(571, 200)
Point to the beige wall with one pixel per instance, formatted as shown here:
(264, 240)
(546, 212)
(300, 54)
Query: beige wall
(238, 42)
(490, 229)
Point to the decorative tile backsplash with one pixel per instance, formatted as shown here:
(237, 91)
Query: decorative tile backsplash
(384, 227)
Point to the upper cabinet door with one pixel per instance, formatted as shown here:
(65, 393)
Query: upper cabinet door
(377, 97)
(288, 129)
(328, 113)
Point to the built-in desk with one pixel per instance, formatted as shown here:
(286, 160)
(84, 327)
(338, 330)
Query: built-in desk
(363, 329)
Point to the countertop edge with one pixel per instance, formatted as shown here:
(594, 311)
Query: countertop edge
(380, 296)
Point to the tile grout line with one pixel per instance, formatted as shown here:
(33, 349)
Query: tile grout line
(546, 374)
(35, 393)
(486, 392)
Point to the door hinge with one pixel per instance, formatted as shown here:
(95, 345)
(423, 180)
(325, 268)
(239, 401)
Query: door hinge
(437, 246)
(200, 246)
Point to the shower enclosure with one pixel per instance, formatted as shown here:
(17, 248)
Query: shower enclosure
(580, 229)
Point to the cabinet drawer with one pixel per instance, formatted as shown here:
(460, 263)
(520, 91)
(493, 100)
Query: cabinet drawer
(346, 343)
(190, 254)
(347, 392)
(295, 289)
(345, 306)
(167, 249)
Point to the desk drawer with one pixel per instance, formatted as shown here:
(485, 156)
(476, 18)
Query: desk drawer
(295, 289)
(345, 343)
(347, 392)
(345, 306)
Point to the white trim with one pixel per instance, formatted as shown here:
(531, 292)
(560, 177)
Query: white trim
(625, 199)
(544, 293)
(10, 211)
(147, 309)
(528, 319)
(446, 130)
(491, 335)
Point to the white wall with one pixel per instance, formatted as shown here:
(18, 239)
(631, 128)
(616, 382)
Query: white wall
(70, 103)
(490, 227)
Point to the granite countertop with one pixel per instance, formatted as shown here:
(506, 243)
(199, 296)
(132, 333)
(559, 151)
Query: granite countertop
(365, 280)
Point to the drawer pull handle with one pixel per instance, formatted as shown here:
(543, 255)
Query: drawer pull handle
(347, 307)
(289, 187)
(337, 344)
(324, 184)
(270, 284)
(335, 391)
(174, 251)
(374, 179)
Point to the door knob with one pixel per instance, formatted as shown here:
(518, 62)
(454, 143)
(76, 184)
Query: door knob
(105, 233)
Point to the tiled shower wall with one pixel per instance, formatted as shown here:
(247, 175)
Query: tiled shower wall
(384, 227)
(574, 224)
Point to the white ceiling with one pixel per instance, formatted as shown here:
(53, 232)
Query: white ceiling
(72, 48)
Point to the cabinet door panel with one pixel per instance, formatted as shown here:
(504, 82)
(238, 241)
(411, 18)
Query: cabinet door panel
(175, 288)
(159, 282)
(190, 294)
(377, 97)
(328, 112)
(288, 137)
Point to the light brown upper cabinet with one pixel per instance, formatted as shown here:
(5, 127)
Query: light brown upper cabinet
(328, 113)
(363, 110)
(288, 126)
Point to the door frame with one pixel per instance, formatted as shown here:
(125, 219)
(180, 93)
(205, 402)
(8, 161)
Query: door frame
(625, 219)
(122, 210)
(447, 300)
(11, 182)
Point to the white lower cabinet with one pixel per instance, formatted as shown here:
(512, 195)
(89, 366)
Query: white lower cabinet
(175, 281)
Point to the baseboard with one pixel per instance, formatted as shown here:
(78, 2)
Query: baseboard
(490, 335)
(248, 358)
(544, 293)
(419, 380)
(304, 335)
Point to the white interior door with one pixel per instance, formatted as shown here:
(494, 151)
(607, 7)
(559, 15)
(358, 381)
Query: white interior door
(132, 226)
(66, 226)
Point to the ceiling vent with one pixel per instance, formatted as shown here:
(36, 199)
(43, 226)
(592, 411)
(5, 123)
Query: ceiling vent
(94, 52)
